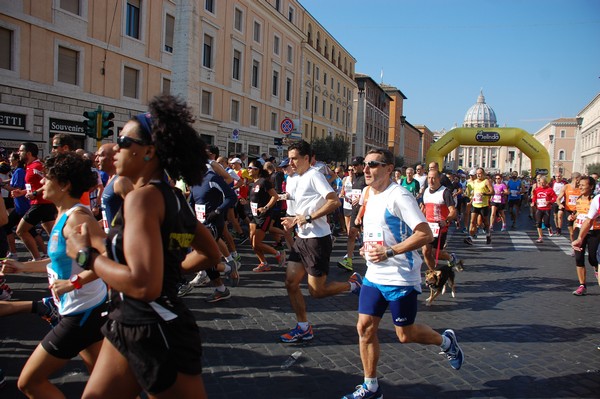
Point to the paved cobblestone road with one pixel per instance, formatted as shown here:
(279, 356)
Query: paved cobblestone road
(523, 332)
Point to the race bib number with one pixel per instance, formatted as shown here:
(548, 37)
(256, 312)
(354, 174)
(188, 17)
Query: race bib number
(572, 200)
(478, 198)
(254, 208)
(355, 195)
(497, 198)
(200, 212)
(579, 221)
(28, 188)
(435, 228)
(541, 202)
(372, 236)
(514, 193)
(52, 277)
(105, 222)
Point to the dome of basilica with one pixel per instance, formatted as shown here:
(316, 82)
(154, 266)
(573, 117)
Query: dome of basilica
(480, 114)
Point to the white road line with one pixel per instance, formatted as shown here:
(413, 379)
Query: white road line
(563, 243)
(521, 241)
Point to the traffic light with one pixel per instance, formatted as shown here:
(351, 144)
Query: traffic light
(107, 123)
(91, 123)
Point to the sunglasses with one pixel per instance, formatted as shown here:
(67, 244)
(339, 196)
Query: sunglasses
(55, 147)
(374, 164)
(252, 167)
(126, 141)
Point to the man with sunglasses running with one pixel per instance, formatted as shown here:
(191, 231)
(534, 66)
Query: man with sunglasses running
(394, 229)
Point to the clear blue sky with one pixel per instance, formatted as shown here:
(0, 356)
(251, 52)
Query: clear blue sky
(536, 60)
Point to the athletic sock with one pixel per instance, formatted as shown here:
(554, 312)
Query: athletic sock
(303, 325)
(372, 384)
(445, 343)
(221, 288)
(229, 259)
(227, 268)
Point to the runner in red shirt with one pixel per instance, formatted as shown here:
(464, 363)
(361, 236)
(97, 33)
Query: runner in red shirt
(41, 210)
(543, 197)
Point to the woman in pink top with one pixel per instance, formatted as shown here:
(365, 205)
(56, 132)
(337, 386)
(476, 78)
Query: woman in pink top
(498, 201)
(543, 197)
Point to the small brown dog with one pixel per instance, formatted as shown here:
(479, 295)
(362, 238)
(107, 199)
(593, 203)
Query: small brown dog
(439, 278)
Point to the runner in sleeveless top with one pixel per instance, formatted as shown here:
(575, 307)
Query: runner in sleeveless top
(439, 210)
(567, 200)
(480, 206)
(558, 185)
(79, 295)
(346, 197)
(152, 342)
(358, 183)
(586, 213)
(498, 202)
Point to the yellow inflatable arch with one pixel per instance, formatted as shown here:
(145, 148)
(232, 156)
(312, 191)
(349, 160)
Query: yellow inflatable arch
(492, 136)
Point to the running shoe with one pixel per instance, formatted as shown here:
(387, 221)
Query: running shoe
(12, 255)
(551, 234)
(468, 241)
(280, 258)
(488, 239)
(5, 295)
(200, 280)
(233, 274)
(346, 264)
(363, 393)
(297, 334)
(357, 280)
(184, 288)
(503, 228)
(539, 240)
(454, 354)
(47, 310)
(558, 232)
(580, 291)
(262, 267)
(465, 231)
(217, 296)
(237, 258)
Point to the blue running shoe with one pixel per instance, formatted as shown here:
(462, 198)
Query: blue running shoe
(454, 354)
(297, 334)
(363, 392)
(357, 280)
(47, 310)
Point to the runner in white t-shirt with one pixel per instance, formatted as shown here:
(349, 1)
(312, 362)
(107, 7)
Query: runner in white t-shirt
(313, 199)
(394, 229)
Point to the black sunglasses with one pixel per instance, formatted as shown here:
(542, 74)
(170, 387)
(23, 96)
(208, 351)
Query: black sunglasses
(126, 141)
(55, 147)
(374, 164)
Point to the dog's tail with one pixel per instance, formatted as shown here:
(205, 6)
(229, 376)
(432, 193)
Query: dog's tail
(458, 265)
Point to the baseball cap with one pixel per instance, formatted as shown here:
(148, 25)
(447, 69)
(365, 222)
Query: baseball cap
(284, 163)
(235, 160)
(472, 172)
(357, 161)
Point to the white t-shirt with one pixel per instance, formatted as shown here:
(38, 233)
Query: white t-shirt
(395, 214)
(309, 196)
(421, 179)
(290, 187)
(594, 207)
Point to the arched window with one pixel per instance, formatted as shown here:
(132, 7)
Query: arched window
(561, 155)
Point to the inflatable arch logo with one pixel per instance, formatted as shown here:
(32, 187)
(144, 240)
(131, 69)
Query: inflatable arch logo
(492, 136)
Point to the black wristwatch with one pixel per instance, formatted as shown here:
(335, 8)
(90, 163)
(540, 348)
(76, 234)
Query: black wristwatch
(84, 257)
(390, 253)
(308, 219)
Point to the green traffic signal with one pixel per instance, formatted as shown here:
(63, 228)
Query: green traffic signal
(107, 124)
(90, 123)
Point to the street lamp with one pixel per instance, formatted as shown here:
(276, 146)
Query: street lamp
(360, 83)
(577, 165)
(551, 137)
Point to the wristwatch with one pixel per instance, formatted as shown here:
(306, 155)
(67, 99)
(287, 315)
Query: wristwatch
(75, 280)
(389, 253)
(308, 219)
(84, 256)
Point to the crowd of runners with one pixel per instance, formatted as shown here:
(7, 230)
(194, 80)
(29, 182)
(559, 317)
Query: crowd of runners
(137, 226)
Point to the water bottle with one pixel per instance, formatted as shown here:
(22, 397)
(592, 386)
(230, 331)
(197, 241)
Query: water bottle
(291, 360)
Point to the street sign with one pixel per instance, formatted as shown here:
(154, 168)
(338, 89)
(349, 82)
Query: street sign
(277, 141)
(235, 135)
(287, 125)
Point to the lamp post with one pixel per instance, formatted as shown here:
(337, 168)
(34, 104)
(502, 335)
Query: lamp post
(577, 158)
(551, 137)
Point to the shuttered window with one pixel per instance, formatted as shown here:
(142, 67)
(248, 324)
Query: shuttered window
(130, 82)
(67, 65)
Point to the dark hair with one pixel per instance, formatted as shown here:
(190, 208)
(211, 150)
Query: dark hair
(388, 157)
(261, 171)
(213, 149)
(31, 147)
(302, 147)
(72, 168)
(65, 139)
(179, 148)
(591, 182)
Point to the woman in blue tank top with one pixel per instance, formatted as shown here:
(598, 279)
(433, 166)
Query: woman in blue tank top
(152, 342)
(77, 293)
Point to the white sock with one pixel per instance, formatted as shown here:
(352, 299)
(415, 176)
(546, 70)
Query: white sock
(303, 325)
(227, 268)
(353, 286)
(221, 288)
(372, 384)
(229, 258)
(445, 343)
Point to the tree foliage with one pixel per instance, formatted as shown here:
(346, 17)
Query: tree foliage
(331, 150)
(593, 168)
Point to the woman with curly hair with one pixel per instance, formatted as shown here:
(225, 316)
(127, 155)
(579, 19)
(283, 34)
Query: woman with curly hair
(152, 342)
(77, 293)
